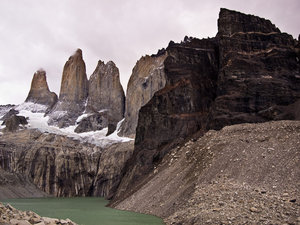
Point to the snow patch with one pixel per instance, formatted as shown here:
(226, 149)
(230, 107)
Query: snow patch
(37, 120)
(32, 107)
(85, 115)
(114, 136)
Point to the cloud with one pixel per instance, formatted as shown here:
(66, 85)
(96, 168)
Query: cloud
(43, 34)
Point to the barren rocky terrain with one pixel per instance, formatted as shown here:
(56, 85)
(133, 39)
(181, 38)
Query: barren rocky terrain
(11, 216)
(242, 174)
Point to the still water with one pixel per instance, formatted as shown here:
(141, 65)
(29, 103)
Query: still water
(83, 211)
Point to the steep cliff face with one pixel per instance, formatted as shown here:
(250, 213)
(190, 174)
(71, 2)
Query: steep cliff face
(147, 77)
(248, 73)
(259, 73)
(73, 92)
(106, 92)
(39, 91)
(61, 166)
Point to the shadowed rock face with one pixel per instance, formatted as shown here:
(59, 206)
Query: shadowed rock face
(259, 76)
(231, 22)
(73, 92)
(39, 90)
(105, 91)
(248, 73)
(147, 78)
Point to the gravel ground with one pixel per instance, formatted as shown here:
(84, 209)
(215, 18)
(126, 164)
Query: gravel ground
(242, 174)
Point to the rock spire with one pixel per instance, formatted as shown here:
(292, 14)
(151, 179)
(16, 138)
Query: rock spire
(39, 90)
(73, 92)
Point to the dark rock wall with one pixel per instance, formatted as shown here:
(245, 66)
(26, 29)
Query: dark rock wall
(248, 73)
(181, 107)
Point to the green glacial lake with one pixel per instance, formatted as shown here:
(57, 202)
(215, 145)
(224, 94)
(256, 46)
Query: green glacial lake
(83, 211)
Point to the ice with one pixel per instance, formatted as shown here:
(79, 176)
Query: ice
(85, 115)
(37, 120)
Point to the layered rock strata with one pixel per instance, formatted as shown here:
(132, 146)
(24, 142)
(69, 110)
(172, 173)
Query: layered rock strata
(248, 73)
(147, 77)
(61, 166)
(73, 93)
(39, 91)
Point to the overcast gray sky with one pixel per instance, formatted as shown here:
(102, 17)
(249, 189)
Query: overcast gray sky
(38, 34)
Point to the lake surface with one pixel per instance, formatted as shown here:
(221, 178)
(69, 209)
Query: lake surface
(83, 211)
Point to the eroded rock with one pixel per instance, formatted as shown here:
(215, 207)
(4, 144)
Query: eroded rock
(147, 77)
(73, 93)
(39, 91)
(106, 92)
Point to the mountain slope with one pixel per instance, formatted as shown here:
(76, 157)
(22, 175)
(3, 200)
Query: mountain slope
(242, 173)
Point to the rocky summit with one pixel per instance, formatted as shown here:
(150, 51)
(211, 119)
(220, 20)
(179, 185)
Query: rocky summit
(73, 92)
(39, 91)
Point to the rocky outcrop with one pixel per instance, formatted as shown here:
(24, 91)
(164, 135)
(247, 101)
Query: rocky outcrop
(4, 109)
(106, 92)
(15, 185)
(147, 77)
(73, 93)
(39, 91)
(61, 166)
(10, 215)
(93, 122)
(248, 73)
(8, 114)
(13, 123)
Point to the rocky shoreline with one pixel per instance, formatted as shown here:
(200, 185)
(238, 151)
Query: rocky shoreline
(11, 216)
